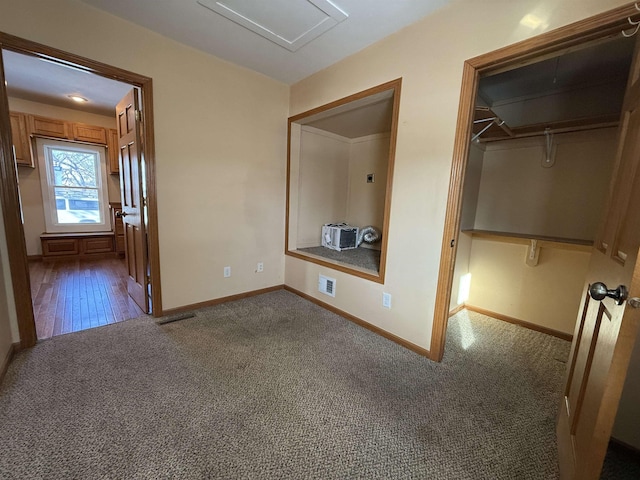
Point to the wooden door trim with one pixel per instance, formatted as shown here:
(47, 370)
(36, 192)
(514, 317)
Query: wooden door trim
(14, 230)
(602, 25)
(12, 222)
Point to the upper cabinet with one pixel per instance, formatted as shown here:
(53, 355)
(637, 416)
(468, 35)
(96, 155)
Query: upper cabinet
(112, 151)
(52, 127)
(20, 135)
(48, 127)
(25, 126)
(89, 133)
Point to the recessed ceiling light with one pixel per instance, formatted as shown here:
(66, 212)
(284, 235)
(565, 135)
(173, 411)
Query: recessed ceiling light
(78, 98)
(532, 21)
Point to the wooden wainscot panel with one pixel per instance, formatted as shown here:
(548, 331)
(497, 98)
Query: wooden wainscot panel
(48, 127)
(52, 247)
(96, 244)
(73, 245)
(89, 133)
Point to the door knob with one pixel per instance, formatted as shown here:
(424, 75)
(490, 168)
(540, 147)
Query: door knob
(121, 214)
(599, 291)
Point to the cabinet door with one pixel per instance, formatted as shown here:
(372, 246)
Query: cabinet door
(112, 151)
(49, 127)
(20, 137)
(89, 133)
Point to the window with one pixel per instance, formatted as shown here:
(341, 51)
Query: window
(74, 190)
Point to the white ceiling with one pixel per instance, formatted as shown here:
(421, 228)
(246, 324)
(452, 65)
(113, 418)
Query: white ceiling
(285, 49)
(583, 83)
(191, 23)
(358, 118)
(294, 39)
(42, 81)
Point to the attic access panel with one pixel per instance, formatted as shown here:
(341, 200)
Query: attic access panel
(305, 20)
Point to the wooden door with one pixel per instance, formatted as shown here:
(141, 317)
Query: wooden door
(132, 196)
(606, 329)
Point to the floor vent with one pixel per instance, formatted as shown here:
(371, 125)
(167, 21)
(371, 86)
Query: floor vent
(327, 285)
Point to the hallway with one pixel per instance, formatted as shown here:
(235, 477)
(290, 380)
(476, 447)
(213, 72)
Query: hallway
(69, 296)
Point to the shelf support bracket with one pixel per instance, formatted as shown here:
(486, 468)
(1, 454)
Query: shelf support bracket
(533, 254)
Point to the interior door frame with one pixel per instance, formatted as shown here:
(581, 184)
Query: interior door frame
(605, 24)
(18, 262)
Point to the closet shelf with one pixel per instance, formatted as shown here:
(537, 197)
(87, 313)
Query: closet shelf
(525, 237)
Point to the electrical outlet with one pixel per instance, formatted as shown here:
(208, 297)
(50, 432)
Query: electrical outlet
(260, 267)
(386, 300)
(227, 272)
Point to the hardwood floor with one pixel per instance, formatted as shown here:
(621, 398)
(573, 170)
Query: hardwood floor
(74, 295)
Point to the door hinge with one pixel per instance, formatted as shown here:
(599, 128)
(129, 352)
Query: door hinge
(144, 201)
(138, 115)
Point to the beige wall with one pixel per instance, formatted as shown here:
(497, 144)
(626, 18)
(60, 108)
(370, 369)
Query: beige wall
(8, 318)
(547, 295)
(332, 185)
(322, 183)
(429, 56)
(517, 194)
(459, 286)
(221, 196)
(507, 190)
(220, 137)
(627, 424)
(365, 203)
(29, 178)
(69, 114)
(471, 187)
(469, 206)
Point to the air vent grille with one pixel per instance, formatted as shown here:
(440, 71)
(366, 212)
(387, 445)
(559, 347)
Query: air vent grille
(327, 285)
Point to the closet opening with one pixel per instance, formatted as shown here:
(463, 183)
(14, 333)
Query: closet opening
(535, 119)
(482, 238)
(339, 179)
(539, 167)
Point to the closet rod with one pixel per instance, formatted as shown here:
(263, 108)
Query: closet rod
(577, 128)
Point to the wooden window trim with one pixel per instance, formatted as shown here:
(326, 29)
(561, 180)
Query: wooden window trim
(396, 86)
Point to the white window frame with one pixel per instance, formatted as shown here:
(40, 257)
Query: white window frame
(43, 146)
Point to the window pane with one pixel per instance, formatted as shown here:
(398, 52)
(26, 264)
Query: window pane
(77, 205)
(74, 169)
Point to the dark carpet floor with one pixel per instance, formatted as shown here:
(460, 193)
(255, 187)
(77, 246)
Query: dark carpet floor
(621, 463)
(276, 387)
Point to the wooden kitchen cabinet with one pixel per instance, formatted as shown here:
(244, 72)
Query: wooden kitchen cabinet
(20, 136)
(49, 127)
(53, 127)
(25, 126)
(113, 151)
(89, 133)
